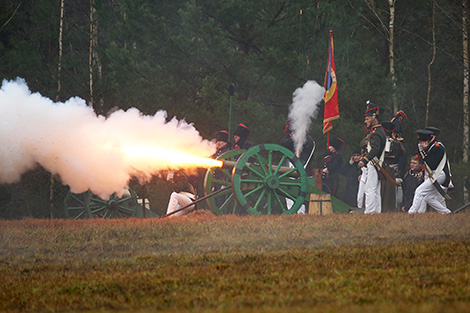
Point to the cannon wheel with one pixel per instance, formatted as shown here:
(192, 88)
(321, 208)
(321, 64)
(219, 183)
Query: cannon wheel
(261, 187)
(224, 202)
(88, 205)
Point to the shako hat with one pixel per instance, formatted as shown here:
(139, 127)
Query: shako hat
(221, 135)
(402, 114)
(336, 142)
(372, 110)
(424, 134)
(435, 131)
(242, 131)
(389, 127)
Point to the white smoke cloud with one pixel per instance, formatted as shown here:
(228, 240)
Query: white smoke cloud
(83, 149)
(304, 108)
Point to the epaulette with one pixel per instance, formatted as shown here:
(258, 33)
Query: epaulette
(375, 127)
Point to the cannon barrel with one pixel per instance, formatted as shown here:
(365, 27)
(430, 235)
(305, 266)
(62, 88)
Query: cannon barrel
(282, 169)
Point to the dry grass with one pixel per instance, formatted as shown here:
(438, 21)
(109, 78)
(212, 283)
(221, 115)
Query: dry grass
(203, 263)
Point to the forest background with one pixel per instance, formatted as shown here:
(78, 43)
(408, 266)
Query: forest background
(181, 56)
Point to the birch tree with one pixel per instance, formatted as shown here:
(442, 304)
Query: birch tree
(90, 55)
(428, 96)
(465, 103)
(57, 97)
(391, 53)
(389, 33)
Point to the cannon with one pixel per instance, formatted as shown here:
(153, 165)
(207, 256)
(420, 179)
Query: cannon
(263, 180)
(266, 179)
(89, 205)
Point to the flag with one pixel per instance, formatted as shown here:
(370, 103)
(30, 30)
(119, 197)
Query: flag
(331, 91)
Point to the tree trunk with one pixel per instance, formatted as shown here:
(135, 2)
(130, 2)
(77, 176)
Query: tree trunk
(90, 56)
(59, 66)
(428, 97)
(391, 56)
(57, 97)
(466, 77)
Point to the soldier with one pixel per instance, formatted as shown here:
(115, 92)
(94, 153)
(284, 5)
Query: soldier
(221, 142)
(352, 174)
(402, 160)
(412, 179)
(373, 159)
(437, 174)
(397, 121)
(183, 193)
(331, 167)
(240, 137)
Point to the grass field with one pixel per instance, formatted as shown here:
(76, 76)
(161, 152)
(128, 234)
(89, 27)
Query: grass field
(202, 263)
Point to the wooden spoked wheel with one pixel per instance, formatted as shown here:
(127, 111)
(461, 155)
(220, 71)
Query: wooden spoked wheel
(217, 178)
(263, 186)
(88, 205)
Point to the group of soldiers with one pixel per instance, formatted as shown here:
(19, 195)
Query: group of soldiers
(378, 169)
(425, 183)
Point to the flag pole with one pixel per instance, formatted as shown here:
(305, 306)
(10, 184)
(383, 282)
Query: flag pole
(231, 92)
(327, 140)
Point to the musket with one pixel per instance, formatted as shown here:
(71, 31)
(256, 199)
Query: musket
(376, 162)
(462, 208)
(436, 184)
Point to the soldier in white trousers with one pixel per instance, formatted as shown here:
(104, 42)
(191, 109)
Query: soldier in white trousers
(361, 189)
(433, 155)
(375, 154)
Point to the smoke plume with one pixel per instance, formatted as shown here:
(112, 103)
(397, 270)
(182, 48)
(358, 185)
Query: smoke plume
(81, 148)
(304, 107)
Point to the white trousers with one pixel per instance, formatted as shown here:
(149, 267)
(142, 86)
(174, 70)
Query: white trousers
(179, 200)
(427, 193)
(362, 187)
(372, 191)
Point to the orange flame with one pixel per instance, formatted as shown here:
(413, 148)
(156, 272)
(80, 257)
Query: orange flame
(173, 159)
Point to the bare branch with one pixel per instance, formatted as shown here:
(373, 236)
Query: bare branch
(374, 10)
(13, 14)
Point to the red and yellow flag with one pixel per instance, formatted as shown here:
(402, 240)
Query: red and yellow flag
(331, 91)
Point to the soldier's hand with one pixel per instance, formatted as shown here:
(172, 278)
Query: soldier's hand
(360, 164)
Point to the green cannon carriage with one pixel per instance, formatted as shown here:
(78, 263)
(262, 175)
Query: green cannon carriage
(263, 180)
(266, 179)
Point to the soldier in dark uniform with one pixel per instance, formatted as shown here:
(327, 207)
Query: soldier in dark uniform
(433, 155)
(375, 155)
(411, 180)
(332, 162)
(402, 160)
(352, 174)
(240, 137)
(221, 142)
(393, 151)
